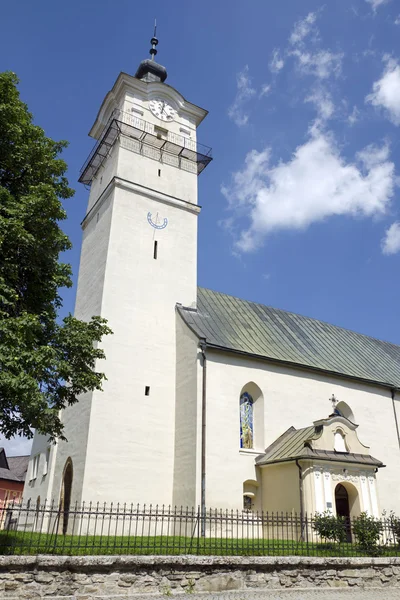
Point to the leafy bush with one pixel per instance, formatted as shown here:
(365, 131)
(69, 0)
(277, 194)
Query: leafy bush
(394, 526)
(368, 530)
(330, 527)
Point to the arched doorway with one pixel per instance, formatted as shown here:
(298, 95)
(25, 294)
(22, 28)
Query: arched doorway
(347, 504)
(65, 499)
(342, 501)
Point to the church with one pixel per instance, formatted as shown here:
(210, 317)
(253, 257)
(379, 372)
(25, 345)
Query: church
(210, 400)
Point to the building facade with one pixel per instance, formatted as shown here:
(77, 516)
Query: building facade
(201, 386)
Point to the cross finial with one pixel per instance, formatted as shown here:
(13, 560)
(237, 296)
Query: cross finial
(334, 402)
(154, 41)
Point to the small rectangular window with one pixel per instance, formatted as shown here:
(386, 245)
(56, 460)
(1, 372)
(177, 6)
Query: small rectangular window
(147, 390)
(159, 172)
(46, 462)
(35, 466)
(155, 250)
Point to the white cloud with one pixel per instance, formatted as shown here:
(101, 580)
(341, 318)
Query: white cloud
(277, 62)
(354, 116)
(303, 28)
(376, 3)
(245, 92)
(397, 20)
(265, 90)
(16, 446)
(322, 63)
(322, 100)
(312, 61)
(391, 241)
(386, 91)
(313, 185)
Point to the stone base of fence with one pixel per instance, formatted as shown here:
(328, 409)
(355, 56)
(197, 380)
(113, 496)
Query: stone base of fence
(116, 577)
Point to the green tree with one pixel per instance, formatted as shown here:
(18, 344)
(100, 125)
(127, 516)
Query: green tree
(44, 364)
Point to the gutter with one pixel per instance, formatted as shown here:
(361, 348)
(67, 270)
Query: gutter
(393, 392)
(301, 497)
(203, 347)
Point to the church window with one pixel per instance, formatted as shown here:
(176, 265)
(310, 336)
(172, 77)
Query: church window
(159, 172)
(35, 466)
(340, 445)
(155, 250)
(246, 421)
(247, 503)
(147, 390)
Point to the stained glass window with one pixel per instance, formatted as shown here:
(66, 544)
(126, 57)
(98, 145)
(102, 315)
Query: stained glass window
(246, 421)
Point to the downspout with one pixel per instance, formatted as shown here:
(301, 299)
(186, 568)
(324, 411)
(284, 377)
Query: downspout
(203, 347)
(301, 496)
(393, 392)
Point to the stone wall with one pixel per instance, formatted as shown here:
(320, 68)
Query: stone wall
(111, 577)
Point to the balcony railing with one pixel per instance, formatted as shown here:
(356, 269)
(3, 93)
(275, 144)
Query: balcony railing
(177, 147)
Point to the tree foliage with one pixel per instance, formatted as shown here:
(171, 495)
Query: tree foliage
(44, 364)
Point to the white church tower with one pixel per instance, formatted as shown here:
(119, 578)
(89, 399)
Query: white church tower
(138, 260)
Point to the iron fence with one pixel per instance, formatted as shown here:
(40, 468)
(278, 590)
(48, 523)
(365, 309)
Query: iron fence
(164, 530)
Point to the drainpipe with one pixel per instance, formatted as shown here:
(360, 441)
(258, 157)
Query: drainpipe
(203, 347)
(301, 496)
(393, 391)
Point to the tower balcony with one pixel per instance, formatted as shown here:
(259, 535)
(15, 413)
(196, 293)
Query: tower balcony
(141, 137)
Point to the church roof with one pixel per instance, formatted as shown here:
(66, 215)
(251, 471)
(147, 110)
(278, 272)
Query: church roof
(249, 328)
(296, 444)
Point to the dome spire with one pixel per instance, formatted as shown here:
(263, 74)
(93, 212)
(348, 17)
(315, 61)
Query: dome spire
(149, 69)
(154, 41)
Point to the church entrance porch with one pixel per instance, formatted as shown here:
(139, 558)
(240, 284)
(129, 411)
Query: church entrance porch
(320, 469)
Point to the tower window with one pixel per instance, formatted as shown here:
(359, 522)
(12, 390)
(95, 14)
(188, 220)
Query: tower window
(159, 172)
(147, 390)
(155, 249)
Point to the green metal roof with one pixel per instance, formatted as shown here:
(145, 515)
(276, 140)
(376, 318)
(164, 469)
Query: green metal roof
(296, 444)
(247, 327)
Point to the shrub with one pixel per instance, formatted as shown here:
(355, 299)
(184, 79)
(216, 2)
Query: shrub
(394, 526)
(367, 530)
(330, 527)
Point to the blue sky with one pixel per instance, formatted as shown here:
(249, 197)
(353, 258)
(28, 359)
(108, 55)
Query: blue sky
(300, 205)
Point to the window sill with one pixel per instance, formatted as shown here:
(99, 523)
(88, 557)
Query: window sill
(250, 451)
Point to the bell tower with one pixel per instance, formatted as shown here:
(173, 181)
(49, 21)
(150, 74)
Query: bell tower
(138, 260)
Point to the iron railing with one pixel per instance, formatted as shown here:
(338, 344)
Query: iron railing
(164, 530)
(174, 149)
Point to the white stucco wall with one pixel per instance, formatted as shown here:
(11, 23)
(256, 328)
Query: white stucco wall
(41, 485)
(187, 418)
(131, 435)
(291, 397)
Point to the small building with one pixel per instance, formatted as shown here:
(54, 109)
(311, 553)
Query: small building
(315, 469)
(12, 478)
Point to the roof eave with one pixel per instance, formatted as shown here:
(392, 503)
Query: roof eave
(389, 386)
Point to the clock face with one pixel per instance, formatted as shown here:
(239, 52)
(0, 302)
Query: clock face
(162, 110)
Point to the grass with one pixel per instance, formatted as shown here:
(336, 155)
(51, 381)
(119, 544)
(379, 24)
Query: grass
(26, 543)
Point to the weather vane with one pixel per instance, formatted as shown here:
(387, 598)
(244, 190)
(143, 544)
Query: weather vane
(154, 41)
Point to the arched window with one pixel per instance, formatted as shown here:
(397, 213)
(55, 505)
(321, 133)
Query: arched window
(340, 444)
(246, 421)
(65, 499)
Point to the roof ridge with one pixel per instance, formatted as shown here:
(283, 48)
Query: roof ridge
(288, 312)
